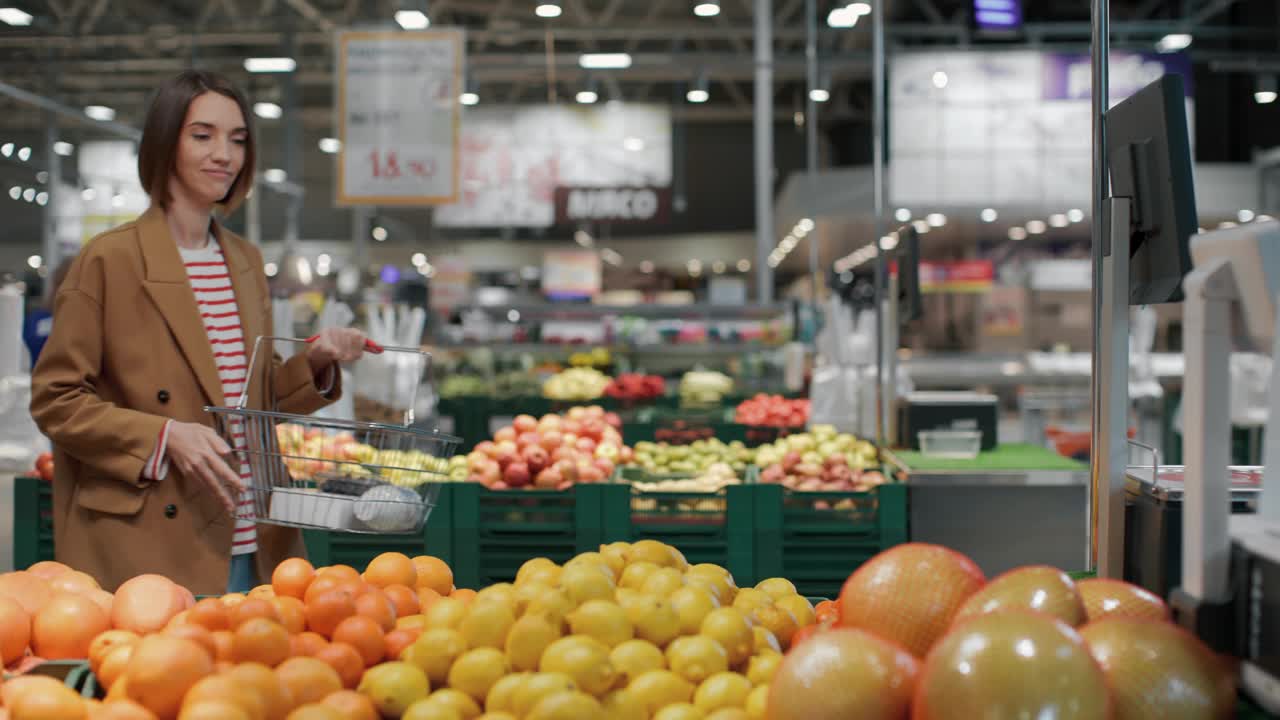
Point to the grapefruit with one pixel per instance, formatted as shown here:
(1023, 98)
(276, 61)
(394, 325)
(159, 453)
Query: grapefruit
(1039, 588)
(1111, 598)
(162, 669)
(65, 626)
(843, 673)
(15, 631)
(146, 603)
(29, 590)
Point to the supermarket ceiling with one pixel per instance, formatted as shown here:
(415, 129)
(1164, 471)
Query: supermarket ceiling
(113, 52)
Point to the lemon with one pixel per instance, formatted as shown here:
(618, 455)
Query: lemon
(435, 651)
(654, 620)
(634, 657)
(657, 689)
(654, 552)
(427, 710)
(487, 623)
(539, 570)
(626, 597)
(758, 702)
(696, 657)
(582, 658)
(502, 695)
(721, 589)
(662, 582)
(776, 588)
(621, 705)
(536, 687)
(503, 592)
(459, 702)
(525, 594)
(679, 711)
(497, 716)
(730, 628)
(586, 582)
(748, 599)
(602, 620)
(722, 690)
(762, 667)
(447, 612)
(477, 671)
(678, 560)
(765, 641)
(555, 606)
(567, 705)
(719, 576)
(729, 714)
(616, 555)
(636, 573)
(692, 604)
(799, 607)
(528, 638)
(777, 620)
(394, 686)
(593, 559)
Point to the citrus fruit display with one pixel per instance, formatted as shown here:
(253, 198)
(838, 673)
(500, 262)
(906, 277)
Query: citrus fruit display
(1042, 589)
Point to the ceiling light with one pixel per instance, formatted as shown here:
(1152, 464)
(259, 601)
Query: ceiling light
(921, 226)
(805, 224)
(270, 64)
(513, 315)
(819, 94)
(88, 194)
(889, 242)
(697, 95)
(586, 97)
(902, 215)
(1264, 89)
(63, 148)
(1017, 232)
(1036, 227)
(1173, 42)
(42, 198)
(1221, 226)
(412, 19)
(1263, 218)
(267, 110)
(270, 269)
(323, 270)
(940, 79)
(744, 265)
(101, 113)
(1245, 216)
(788, 243)
(29, 194)
(379, 233)
(694, 267)
(799, 231)
(117, 200)
(418, 259)
(718, 267)
(429, 271)
(646, 266)
(842, 17)
(330, 145)
(1058, 220)
(774, 261)
(1075, 215)
(469, 98)
(15, 192)
(274, 175)
(859, 8)
(547, 10)
(604, 61)
(936, 219)
(611, 256)
(633, 144)
(24, 153)
(6, 149)
(707, 8)
(1264, 97)
(583, 238)
(988, 215)
(34, 262)
(14, 16)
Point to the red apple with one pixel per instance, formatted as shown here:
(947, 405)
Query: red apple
(772, 474)
(499, 485)
(836, 460)
(488, 447)
(586, 445)
(593, 428)
(490, 474)
(606, 466)
(506, 433)
(564, 452)
(536, 458)
(569, 439)
(551, 439)
(549, 479)
(590, 474)
(613, 420)
(790, 460)
(595, 411)
(517, 474)
(573, 426)
(576, 413)
(524, 423)
(568, 470)
(626, 455)
(550, 421)
(528, 439)
(476, 459)
(810, 485)
(564, 485)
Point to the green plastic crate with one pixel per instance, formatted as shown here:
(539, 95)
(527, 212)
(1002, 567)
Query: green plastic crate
(32, 522)
(470, 416)
(327, 547)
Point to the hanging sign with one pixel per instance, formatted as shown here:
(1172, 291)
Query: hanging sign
(398, 111)
(570, 274)
(960, 276)
(612, 204)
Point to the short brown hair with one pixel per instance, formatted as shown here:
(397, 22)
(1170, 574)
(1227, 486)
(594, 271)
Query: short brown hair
(163, 129)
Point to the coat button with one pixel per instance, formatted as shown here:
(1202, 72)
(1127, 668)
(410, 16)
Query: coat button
(163, 396)
(170, 511)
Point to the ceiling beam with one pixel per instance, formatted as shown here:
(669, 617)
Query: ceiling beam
(1209, 10)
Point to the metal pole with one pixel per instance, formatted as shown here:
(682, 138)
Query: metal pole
(811, 134)
(360, 236)
(292, 148)
(39, 101)
(764, 149)
(1100, 421)
(54, 165)
(877, 191)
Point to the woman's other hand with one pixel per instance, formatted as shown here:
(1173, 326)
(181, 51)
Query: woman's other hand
(335, 346)
(198, 453)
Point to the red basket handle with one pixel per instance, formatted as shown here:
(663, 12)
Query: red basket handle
(369, 345)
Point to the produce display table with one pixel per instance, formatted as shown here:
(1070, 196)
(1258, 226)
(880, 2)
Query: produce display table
(1016, 505)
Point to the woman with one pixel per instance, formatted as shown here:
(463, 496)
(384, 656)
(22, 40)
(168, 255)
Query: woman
(155, 321)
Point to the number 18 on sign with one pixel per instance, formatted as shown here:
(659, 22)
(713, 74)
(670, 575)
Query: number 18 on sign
(398, 117)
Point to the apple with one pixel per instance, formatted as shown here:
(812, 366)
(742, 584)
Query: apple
(790, 481)
(576, 413)
(790, 460)
(549, 478)
(607, 450)
(517, 474)
(590, 474)
(593, 428)
(573, 426)
(490, 474)
(772, 474)
(524, 424)
(527, 439)
(606, 466)
(499, 486)
(569, 439)
(586, 445)
(626, 455)
(551, 421)
(568, 470)
(504, 434)
(613, 420)
(536, 458)
(564, 452)
(488, 447)
(836, 460)
(551, 439)
(476, 458)
(810, 485)
(564, 485)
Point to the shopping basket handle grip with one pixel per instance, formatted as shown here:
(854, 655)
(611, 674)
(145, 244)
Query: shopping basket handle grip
(369, 345)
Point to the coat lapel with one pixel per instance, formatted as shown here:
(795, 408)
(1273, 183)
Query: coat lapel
(166, 282)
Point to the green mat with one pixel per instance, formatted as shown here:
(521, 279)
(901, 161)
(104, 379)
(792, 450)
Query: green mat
(1005, 457)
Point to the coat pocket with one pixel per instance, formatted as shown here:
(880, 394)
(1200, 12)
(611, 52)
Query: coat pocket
(109, 496)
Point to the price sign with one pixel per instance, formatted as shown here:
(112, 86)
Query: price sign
(398, 117)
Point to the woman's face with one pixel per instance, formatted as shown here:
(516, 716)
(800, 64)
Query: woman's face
(210, 149)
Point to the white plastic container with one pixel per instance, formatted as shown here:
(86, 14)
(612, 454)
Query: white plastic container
(312, 507)
(950, 444)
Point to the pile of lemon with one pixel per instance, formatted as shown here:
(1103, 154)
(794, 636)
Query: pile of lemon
(632, 632)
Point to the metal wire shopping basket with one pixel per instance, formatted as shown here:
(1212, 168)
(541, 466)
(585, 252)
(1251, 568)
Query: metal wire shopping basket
(346, 475)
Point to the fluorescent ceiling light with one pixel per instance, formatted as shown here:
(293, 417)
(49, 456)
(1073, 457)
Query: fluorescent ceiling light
(744, 265)
(889, 242)
(34, 262)
(14, 16)
(604, 61)
(29, 194)
(806, 224)
(1264, 97)
(940, 79)
(42, 198)
(707, 8)
(586, 97)
(1058, 220)
(1173, 42)
(63, 148)
(267, 110)
(330, 145)
(270, 269)
(100, 112)
(859, 8)
(988, 215)
(87, 194)
(936, 219)
(1245, 215)
(15, 192)
(819, 94)
(902, 215)
(379, 233)
(413, 19)
(842, 17)
(6, 149)
(646, 266)
(24, 153)
(633, 144)
(469, 98)
(1036, 227)
(274, 175)
(547, 10)
(1017, 233)
(270, 64)
(697, 95)
(1075, 215)
(921, 226)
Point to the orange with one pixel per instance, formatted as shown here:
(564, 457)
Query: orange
(103, 598)
(113, 664)
(74, 582)
(260, 640)
(346, 661)
(293, 614)
(827, 610)
(48, 569)
(253, 608)
(121, 709)
(316, 711)
(146, 603)
(391, 568)
(264, 592)
(176, 620)
(223, 644)
(412, 622)
(308, 679)
(465, 595)
(224, 688)
(15, 631)
(325, 611)
(404, 599)
(352, 705)
(65, 626)
(277, 700)
(106, 641)
(434, 573)
(376, 606)
(426, 598)
(292, 577)
(232, 599)
(23, 684)
(213, 710)
(342, 572)
(307, 644)
(197, 634)
(319, 586)
(210, 613)
(365, 635)
(398, 640)
(161, 669)
(30, 591)
(61, 703)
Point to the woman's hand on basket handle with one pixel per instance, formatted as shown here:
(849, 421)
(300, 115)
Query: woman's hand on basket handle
(198, 452)
(337, 346)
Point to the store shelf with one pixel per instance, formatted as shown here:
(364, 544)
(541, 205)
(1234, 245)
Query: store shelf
(678, 349)
(699, 311)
